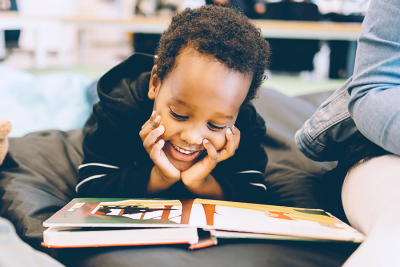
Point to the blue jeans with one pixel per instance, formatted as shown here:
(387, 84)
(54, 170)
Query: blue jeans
(369, 102)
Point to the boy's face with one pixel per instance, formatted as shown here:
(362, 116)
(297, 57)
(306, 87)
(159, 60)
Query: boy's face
(198, 100)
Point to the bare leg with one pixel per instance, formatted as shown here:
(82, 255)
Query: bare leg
(371, 200)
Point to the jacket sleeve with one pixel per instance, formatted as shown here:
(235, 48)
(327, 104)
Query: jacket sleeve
(242, 176)
(375, 89)
(321, 136)
(112, 166)
(115, 163)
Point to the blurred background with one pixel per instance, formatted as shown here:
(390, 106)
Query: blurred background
(51, 51)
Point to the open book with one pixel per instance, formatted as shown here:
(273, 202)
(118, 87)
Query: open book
(93, 222)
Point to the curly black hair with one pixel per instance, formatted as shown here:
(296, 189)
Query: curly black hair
(221, 32)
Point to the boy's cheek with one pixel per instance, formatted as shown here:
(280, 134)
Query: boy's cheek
(219, 143)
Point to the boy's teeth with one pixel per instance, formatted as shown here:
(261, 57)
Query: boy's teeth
(183, 151)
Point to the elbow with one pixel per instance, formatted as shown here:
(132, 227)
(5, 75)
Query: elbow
(376, 115)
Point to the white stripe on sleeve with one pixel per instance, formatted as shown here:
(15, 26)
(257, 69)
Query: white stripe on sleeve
(251, 172)
(88, 179)
(260, 185)
(98, 164)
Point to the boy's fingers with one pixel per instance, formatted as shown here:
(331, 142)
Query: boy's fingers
(230, 144)
(152, 136)
(236, 134)
(153, 114)
(146, 124)
(212, 153)
(155, 151)
(145, 132)
(149, 127)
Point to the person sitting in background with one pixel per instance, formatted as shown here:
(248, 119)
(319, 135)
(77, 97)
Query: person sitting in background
(292, 55)
(253, 9)
(359, 126)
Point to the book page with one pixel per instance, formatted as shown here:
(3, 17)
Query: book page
(300, 222)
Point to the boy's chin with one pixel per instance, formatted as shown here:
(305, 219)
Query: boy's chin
(179, 164)
(182, 165)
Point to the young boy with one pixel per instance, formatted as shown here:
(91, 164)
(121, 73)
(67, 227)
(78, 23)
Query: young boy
(174, 132)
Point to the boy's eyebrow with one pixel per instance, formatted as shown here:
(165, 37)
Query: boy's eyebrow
(223, 116)
(183, 103)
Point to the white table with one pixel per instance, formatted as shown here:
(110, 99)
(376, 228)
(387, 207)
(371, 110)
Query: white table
(309, 30)
(269, 28)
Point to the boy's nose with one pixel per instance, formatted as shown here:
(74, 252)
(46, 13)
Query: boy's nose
(192, 137)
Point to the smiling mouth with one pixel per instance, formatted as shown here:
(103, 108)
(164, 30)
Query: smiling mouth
(181, 154)
(187, 152)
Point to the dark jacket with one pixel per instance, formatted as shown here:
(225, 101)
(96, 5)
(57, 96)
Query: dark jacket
(115, 162)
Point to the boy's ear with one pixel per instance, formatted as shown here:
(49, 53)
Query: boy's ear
(155, 84)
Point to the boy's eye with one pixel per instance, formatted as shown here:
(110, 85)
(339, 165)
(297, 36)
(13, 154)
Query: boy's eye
(213, 127)
(178, 117)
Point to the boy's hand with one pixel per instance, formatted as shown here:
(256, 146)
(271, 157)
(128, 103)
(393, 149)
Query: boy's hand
(196, 176)
(151, 131)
